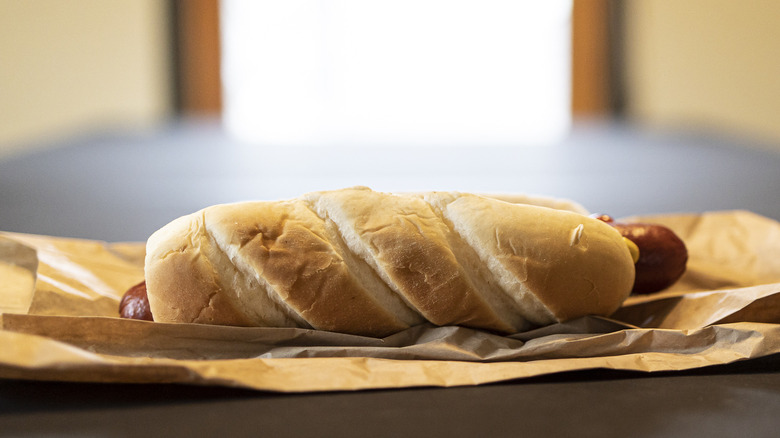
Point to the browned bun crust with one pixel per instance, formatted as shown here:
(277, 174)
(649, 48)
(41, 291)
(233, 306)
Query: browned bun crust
(369, 263)
(556, 265)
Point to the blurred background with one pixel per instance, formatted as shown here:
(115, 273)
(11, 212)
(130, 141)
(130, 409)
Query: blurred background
(73, 67)
(235, 99)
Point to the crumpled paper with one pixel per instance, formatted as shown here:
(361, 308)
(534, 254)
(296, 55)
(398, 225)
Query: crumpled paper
(725, 308)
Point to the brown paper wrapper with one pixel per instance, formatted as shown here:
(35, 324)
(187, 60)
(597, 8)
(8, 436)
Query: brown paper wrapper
(726, 308)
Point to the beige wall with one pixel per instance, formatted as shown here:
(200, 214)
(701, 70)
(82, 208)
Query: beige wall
(67, 67)
(705, 64)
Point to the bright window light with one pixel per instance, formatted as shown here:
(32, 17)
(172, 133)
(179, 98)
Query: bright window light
(393, 73)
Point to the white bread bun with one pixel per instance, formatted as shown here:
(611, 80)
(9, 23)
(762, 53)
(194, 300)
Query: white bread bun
(370, 263)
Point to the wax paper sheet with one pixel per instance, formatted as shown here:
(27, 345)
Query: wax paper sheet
(725, 308)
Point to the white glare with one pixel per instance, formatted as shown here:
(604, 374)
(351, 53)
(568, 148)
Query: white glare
(423, 72)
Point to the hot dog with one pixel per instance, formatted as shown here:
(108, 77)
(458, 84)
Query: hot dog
(370, 263)
(135, 304)
(663, 256)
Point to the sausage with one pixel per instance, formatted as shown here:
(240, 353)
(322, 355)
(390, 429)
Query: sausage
(135, 304)
(662, 254)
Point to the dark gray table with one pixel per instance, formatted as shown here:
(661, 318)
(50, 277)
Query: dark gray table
(122, 187)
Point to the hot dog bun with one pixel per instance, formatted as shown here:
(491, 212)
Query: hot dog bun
(370, 263)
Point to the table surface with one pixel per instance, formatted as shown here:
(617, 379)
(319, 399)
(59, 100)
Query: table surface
(123, 186)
